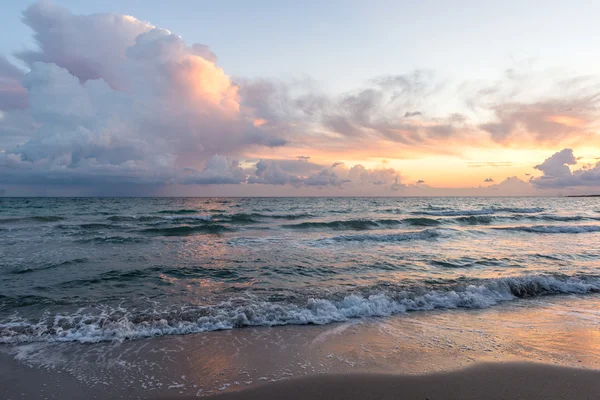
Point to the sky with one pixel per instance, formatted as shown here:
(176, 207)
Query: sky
(331, 98)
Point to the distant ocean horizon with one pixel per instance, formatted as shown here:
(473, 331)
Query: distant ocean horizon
(298, 197)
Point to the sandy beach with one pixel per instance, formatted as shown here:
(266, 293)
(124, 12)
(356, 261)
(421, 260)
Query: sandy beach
(485, 381)
(533, 349)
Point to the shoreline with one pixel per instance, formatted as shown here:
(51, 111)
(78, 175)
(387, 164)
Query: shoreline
(490, 381)
(423, 347)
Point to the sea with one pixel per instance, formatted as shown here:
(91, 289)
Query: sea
(89, 270)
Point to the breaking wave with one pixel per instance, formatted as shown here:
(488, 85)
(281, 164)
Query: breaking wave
(117, 324)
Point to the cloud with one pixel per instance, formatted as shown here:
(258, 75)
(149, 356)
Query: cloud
(488, 180)
(519, 110)
(339, 175)
(557, 172)
(109, 99)
(381, 110)
(12, 94)
(558, 164)
(420, 181)
(218, 170)
(271, 173)
(543, 122)
(297, 167)
(515, 187)
(532, 108)
(222, 170)
(480, 164)
(109, 94)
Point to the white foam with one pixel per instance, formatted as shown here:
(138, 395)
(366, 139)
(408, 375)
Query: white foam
(119, 324)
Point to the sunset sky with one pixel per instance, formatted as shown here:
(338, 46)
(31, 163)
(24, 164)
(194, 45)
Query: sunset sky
(312, 98)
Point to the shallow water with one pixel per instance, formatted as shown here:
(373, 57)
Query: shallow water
(98, 269)
(561, 330)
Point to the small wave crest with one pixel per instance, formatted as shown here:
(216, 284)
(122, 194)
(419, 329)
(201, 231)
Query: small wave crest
(454, 213)
(257, 217)
(483, 211)
(553, 228)
(134, 218)
(475, 220)
(352, 224)
(422, 221)
(100, 240)
(38, 218)
(186, 230)
(427, 234)
(178, 212)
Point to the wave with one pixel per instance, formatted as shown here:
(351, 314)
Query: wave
(427, 234)
(177, 212)
(488, 219)
(38, 218)
(483, 211)
(180, 218)
(517, 210)
(186, 230)
(288, 216)
(256, 217)
(118, 324)
(184, 216)
(422, 221)
(561, 218)
(352, 224)
(436, 207)
(475, 220)
(238, 218)
(112, 240)
(468, 262)
(134, 218)
(553, 228)
(49, 266)
(230, 274)
(454, 213)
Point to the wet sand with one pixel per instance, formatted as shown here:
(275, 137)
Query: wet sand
(547, 348)
(486, 381)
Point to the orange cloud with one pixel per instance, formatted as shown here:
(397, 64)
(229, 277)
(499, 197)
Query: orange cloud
(566, 121)
(206, 82)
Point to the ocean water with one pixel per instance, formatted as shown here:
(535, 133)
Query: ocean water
(104, 269)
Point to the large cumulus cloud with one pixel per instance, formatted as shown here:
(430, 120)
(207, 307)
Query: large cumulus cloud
(114, 97)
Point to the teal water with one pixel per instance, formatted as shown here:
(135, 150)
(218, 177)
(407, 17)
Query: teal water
(100, 269)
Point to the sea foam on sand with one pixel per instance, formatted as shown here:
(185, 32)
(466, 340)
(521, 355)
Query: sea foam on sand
(557, 330)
